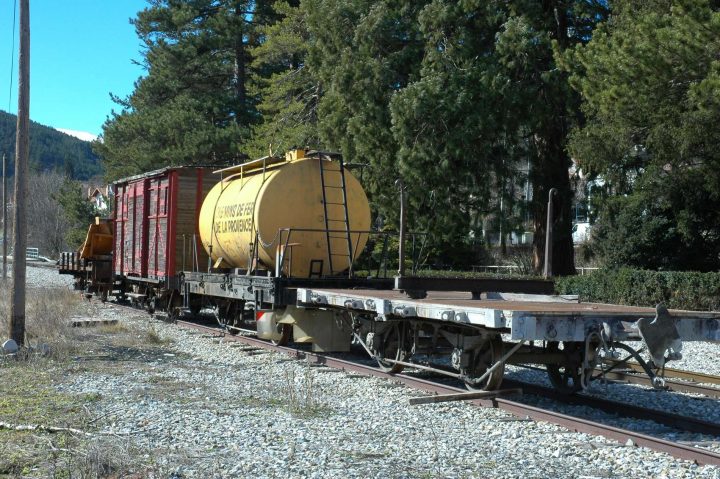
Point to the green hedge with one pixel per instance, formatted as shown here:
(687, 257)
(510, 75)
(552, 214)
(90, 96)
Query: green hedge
(677, 290)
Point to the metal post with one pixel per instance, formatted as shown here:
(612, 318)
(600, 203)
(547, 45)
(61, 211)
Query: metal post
(4, 206)
(401, 249)
(549, 234)
(17, 308)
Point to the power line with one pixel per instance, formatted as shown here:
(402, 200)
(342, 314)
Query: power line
(12, 55)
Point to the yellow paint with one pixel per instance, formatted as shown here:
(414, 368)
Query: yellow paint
(99, 240)
(264, 197)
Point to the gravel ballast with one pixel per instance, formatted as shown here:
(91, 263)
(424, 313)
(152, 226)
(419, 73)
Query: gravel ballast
(198, 406)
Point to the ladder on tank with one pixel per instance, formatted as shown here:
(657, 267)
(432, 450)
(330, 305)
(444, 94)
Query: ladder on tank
(336, 228)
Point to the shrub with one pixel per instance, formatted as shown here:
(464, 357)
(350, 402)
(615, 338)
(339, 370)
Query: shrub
(676, 289)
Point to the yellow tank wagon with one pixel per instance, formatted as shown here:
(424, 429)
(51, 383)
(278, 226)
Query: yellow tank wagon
(304, 208)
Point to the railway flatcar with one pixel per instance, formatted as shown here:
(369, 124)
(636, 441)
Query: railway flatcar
(271, 245)
(91, 265)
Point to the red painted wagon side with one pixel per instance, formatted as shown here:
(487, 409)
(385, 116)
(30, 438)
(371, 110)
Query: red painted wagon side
(155, 224)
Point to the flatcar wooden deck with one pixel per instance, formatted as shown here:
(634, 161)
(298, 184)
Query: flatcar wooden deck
(554, 319)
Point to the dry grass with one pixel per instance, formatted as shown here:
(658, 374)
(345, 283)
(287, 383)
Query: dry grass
(29, 392)
(67, 456)
(46, 315)
(28, 397)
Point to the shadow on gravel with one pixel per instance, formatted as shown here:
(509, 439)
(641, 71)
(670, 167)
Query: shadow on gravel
(131, 354)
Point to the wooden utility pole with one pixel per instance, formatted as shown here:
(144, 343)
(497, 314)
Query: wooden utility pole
(22, 148)
(4, 207)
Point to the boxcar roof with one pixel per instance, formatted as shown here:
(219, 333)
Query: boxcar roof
(159, 172)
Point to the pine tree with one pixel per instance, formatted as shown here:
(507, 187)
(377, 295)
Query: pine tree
(650, 81)
(287, 87)
(448, 95)
(193, 105)
(491, 95)
(78, 211)
(373, 52)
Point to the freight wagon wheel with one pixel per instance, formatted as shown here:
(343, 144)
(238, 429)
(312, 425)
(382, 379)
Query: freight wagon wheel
(228, 317)
(174, 314)
(483, 358)
(151, 305)
(285, 331)
(566, 378)
(195, 307)
(393, 346)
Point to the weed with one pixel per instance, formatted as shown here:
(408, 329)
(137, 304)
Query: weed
(522, 260)
(28, 397)
(301, 397)
(92, 397)
(153, 337)
(114, 328)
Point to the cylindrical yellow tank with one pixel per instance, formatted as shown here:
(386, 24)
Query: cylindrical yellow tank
(263, 196)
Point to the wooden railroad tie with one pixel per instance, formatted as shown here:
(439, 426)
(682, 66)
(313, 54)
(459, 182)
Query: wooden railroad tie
(463, 396)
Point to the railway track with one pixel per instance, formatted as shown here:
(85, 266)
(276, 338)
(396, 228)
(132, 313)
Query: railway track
(671, 384)
(622, 409)
(673, 373)
(675, 379)
(635, 376)
(517, 408)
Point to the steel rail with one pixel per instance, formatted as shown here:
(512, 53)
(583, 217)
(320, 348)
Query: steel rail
(677, 421)
(619, 376)
(674, 373)
(681, 451)
(672, 385)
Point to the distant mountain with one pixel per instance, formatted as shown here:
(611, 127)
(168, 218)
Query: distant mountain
(50, 149)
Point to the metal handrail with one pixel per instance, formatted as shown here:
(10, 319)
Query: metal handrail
(284, 235)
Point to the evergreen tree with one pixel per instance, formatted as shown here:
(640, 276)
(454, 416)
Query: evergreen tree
(287, 88)
(449, 95)
(650, 81)
(491, 95)
(78, 212)
(372, 52)
(193, 105)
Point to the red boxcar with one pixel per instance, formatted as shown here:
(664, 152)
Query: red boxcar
(155, 223)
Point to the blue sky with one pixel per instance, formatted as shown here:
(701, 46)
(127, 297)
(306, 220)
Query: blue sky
(80, 51)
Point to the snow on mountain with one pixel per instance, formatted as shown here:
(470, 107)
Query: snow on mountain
(83, 135)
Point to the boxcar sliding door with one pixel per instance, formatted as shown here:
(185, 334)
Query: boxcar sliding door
(136, 230)
(120, 218)
(158, 227)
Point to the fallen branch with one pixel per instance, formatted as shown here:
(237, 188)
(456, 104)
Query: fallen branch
(40, 427)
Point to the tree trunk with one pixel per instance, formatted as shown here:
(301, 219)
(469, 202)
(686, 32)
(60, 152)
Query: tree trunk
(563, 255)
(552, 164)
(240, 67)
